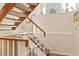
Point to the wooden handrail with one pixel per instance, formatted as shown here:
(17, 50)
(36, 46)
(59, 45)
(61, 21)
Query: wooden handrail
(12, 39)
(37, 26)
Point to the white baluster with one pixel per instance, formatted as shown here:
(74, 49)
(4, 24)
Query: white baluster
(19, 48)
(7, 47)
(13, 48)
(2, 47)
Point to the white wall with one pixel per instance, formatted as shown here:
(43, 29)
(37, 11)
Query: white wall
(60, 31)
(77, 41)
(55, 22)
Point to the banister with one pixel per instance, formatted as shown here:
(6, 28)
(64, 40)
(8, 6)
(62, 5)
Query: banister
(23, 18)
(37, 26)
(16, 40)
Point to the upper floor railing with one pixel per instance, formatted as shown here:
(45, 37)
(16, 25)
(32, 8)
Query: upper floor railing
(10, 46)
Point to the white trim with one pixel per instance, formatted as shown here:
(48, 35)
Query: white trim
(72, 33)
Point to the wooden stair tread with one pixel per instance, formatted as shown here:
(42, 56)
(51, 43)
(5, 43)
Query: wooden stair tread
(6, 29)
(6, 25)
(11, 19)
(32, 4)
(23, 7)
(18, 14)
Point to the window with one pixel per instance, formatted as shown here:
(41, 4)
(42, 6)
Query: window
(68, 7)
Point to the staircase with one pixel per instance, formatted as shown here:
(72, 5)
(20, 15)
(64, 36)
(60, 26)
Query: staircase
(30, 43)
